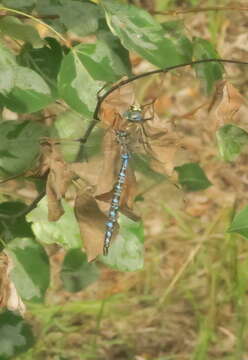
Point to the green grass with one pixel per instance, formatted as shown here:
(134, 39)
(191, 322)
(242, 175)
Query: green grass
(197, 313)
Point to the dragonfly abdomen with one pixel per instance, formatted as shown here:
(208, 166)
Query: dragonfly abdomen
(118, 188)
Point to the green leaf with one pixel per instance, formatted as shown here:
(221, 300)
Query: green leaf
(51, 7)
(19, 145)
(76, 86)
(101, 62)
(83, 71)
(28, 93)
(77, 16)
(7, 58)
(80, 18)
(16, 335)
(19, 4)
(21, 89)
(7, 66)
(192, 177)
(70, 125)
(210, 72)
(12, 227)
(76, 272)
(126, 252)
(139, 32)
(142, 165)
(13, 27)
(231, 140)
(46, 60)
(47, 7)
(31, 271)
(175, 30)
(64, 232)
(240, 223)
(113, 42)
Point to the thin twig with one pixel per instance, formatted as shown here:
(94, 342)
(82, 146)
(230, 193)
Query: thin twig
(200, 9)
(34, 18)
(11, 178)
(96, 119)
(180, 272)
(24, 211)
(42, 17)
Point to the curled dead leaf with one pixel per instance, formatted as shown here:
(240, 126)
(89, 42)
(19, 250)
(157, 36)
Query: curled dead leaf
(91, 222)
(225, 104)
(163, 143)
(58, 181)
(9, 297)
(59, 176)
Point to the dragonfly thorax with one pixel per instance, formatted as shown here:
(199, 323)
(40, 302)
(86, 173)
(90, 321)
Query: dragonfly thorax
(134, 114)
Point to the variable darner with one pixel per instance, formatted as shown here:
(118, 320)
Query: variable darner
(132, 140)
(133, 116)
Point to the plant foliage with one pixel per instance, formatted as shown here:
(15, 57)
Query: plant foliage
(54, 67)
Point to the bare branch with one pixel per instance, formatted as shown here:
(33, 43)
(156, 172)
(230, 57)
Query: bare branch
(175, 12)
(96, 119)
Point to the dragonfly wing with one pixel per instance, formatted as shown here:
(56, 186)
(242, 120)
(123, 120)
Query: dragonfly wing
(91, 222)
(110, 164)
(117, 102)
(73, 150)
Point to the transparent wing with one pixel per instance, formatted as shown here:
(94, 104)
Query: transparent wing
(73, 150)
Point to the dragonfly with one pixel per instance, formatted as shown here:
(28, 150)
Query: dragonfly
(134, 142)
(134, 120)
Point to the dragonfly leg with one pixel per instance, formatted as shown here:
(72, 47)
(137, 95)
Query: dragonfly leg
(145, 140)
(151, 104)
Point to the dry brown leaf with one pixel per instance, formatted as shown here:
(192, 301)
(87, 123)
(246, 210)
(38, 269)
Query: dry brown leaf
(59, 176)
(3, 279)
(55, 208)
(129, 190)
(163, 143)
(88, 171)
(191, 115)
(225, 104)
(91, 222)
(162, 104)
(58, 181)
(9, 297)
(44, 159)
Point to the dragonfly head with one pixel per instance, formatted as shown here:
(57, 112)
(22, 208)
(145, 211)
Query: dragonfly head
(134, 114)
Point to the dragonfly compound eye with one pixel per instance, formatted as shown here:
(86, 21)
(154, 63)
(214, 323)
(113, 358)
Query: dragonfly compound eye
(133, 115)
